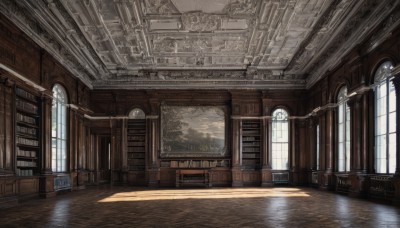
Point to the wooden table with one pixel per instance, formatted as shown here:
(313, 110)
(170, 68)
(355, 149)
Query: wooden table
(193, 177)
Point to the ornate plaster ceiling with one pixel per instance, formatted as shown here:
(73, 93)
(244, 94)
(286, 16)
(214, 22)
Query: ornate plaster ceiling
(260, 44)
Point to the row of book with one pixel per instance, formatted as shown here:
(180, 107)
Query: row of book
(135, 143)
(26, 153)
(252, 138)
(251, 149)
(136, 138)
(27, 130)
(251, 132)
(136, 131)
(26, 119)
(246, 125)
(136, 162)
(26, 106)
(251, 155)
(29, 142)
(136, 168)
(21, 163)
(24, 172)
(135, 155)
(23, 93)
(199, 163)
(136, 150)
(251, 144)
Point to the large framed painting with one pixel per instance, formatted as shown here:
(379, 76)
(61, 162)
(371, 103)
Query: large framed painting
(193, 131)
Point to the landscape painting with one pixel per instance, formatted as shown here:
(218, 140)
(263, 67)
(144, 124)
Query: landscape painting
(193, 131)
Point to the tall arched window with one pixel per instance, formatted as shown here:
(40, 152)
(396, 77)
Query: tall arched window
(59, 129)
(280, 140)
(385, 120)
(343, 132)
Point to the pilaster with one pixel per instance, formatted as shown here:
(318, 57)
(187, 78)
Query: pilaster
(328, 182)
(237, 178)
(266, 173)
(46, 180)
(153, 171)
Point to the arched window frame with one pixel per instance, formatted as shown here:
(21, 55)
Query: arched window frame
(343, 132)
(59, 129)
(279, 138)
(137, 113)
(385, 119)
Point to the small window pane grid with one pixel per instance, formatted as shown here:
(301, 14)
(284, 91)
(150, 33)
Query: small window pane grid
(385, 120)
(343, 132)
(280, 140)
(59, 129)
(317, 147)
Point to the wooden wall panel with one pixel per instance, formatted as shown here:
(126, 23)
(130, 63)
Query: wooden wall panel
(28, 186)
(167, 177)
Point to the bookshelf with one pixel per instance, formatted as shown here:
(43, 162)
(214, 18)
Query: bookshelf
(136, 145)
(251, 144)
(27, 137)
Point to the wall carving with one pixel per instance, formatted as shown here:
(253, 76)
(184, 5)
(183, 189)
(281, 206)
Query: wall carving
(201, 22)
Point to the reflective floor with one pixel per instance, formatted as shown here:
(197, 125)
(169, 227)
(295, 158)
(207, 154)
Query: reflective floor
(213, 207)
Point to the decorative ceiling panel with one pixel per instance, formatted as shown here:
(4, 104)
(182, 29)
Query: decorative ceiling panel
(153, 43)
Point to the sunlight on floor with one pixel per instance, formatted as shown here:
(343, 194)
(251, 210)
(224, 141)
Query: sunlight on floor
(215, 193)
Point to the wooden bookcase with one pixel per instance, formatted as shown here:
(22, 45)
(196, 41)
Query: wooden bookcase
(136, 145)
(251, 144)
(27, 133)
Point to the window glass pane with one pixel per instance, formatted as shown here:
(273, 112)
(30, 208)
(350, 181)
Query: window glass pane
(59, 129)
(385, 120)
(392, 153)
(392, 98)
(280, 139)
(343, 130)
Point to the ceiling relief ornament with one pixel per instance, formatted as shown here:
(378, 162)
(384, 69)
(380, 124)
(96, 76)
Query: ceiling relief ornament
(160, 7)
(241, 7)
(201, 22)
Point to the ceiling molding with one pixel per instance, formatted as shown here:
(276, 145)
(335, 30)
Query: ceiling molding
(159, 44)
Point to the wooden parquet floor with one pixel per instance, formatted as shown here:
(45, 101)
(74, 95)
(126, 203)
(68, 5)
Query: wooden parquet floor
(106, 206)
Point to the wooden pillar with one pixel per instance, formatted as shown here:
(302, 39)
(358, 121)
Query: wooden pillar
(6, 113)
(266, 174)
(46, 184)
(293, 159)
(328, 183)
(72, 147)
(3, 120)
(8, 127)
(355, 133)
(46, 135)
(237, 180)
(152, 142)
(124, 146)
(357, 172)
(265, 149)
(365, 133)
(311, 145)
